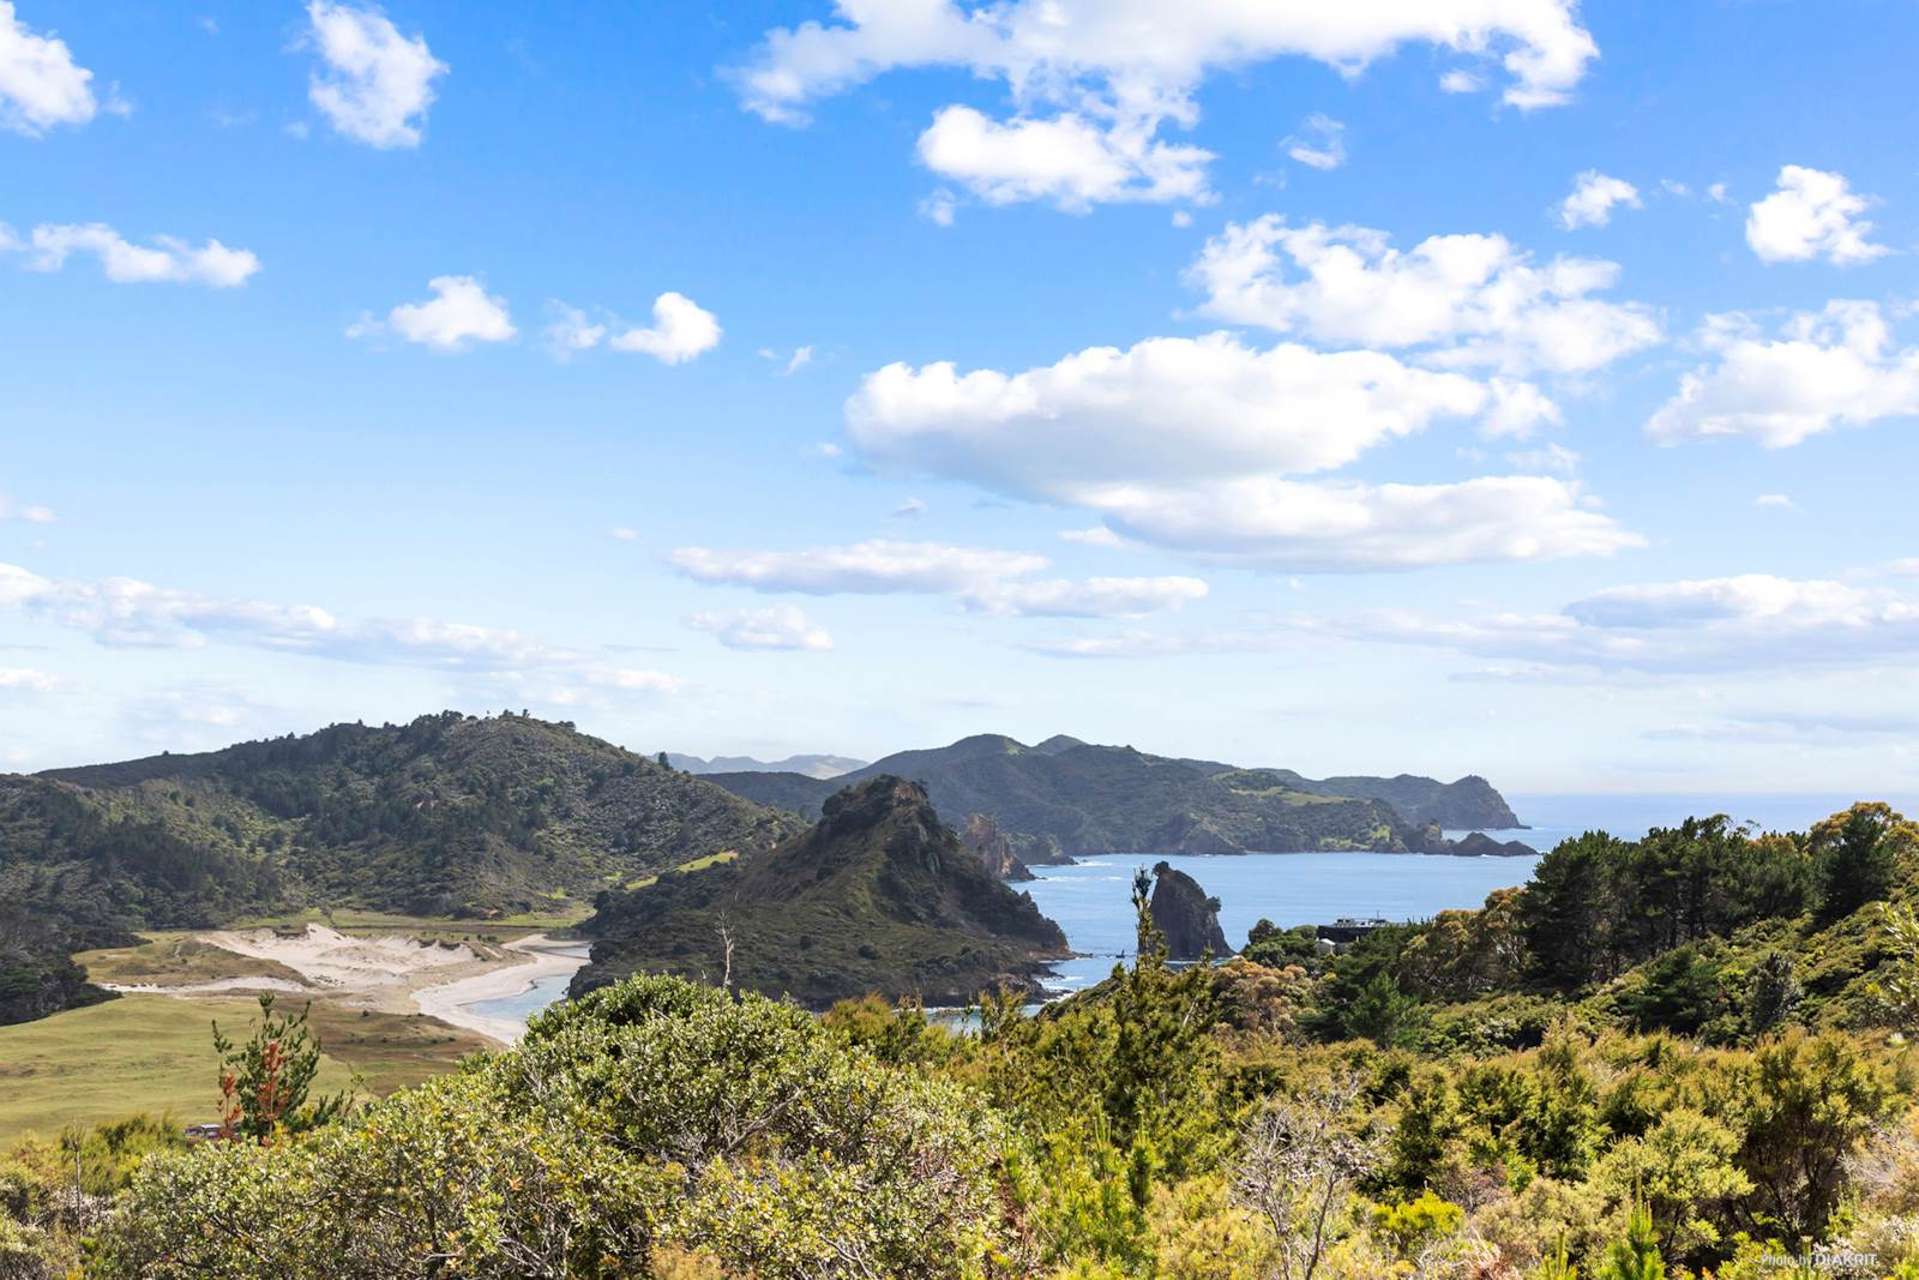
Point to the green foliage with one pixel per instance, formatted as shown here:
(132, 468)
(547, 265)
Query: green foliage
(879, 897)
(1636, 1257)
(450, 814)
(1856, 856)
(1414, 1226)
(265, 1082)
(666, 1119)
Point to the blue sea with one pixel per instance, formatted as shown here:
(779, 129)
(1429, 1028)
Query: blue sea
(1091, 900)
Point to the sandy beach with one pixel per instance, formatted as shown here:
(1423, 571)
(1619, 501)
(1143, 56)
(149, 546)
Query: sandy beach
(390, 973)
(452, 1002)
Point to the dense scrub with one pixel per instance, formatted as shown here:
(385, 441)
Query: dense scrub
(1722, 1090)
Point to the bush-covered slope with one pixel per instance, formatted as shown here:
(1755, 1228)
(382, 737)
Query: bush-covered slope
(1066, 797)
(880, 896)
(450, 814)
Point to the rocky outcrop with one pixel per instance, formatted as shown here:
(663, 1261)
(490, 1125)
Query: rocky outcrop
(982, 835)
(879, 897)
(1186, 916)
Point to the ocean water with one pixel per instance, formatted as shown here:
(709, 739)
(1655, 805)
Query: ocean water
(1092, 899)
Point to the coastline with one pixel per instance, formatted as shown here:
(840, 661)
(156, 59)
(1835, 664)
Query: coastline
(452, 1002)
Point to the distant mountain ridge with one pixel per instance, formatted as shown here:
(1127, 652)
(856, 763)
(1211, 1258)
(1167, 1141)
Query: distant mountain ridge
(808, 766)
(1065, 797)
(879, 896)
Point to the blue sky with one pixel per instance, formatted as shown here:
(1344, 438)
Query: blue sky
(1501, 386)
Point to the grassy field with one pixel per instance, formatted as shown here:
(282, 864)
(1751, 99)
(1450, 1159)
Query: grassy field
(697, 864)
(155, 1053)
(176, 960)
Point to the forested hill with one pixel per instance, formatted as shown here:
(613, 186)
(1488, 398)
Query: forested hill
(450, 814)
(881, 896)
(1066, 797)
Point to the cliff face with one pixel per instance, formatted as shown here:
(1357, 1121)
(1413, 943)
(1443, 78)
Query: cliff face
(1188, 918)
(982, 835)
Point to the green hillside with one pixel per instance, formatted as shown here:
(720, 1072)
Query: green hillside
(880, 896)
(447, 815)
(1066, 797)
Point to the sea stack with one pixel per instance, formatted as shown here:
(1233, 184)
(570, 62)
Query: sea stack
(1186, 916)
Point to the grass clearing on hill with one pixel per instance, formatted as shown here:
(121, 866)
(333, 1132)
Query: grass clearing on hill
(155, 1054)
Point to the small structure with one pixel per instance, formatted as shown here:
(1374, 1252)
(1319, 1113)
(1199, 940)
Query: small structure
(1347, 929)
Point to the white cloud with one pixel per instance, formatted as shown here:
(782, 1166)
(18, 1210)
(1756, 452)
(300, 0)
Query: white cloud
(1270, 523)
(28, 679)
(1466, 299)
(571, 331)
(1093, 81)
(938, 207)
(32, 513)
(1069, 161)
(1319, 144)
(621, 533)
(909, 509)
(801, 357)
(1188, 443)
(1172, 408)
(1139, 53)
(681, 331)
(1831, 368)
(877, 567)
(40, 84)
(986, 581)
(781, 627)
(376, 84)
(129, 613)
(1551, 458)
(1092, 598)
(1594, 195)
(1461, 81)
(1775, 502)
(166, 260)
(1752, 621)
(461, 312)
(1813, 214)
(1097, 536)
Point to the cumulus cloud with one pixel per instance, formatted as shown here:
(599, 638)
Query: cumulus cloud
(1462, 300)
(1173, 408)
(1191, 444)
(1319, 144)
(460, 313)
(781, 627)
(1068, 161)
(1826, 369)
(571, 331)
(1093, 81)
(166, 260)
(1775, 502)
(1812, 214)
(681, 330)
(986, 581)
(1751, 621)
(1134, 52)
(1594, 196)
(374, 84)
(127, 613)
(40, 84)
(28, 680)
